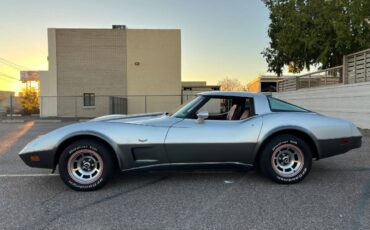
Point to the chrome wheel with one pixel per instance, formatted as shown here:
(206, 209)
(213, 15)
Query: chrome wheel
(85, 166)
(287, 160)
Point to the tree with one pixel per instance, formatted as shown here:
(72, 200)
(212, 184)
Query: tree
(315, 32)
(231, 85)
(29, 97)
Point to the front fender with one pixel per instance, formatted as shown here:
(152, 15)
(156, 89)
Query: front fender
(42, 152)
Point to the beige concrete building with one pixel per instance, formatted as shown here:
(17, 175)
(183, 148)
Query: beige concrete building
(191, 88)
(94, 72)
(194, 87)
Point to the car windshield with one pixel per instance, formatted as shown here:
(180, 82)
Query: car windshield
(187, 108)
(277, 105)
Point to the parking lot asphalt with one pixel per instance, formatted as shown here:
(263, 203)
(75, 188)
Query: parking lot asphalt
(336, 195)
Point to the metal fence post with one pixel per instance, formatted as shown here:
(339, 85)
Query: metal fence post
(365, 64)
(41, 106)
(344, 70)
(11, 106)
(75, 106)
(145, 104)
(355, 69)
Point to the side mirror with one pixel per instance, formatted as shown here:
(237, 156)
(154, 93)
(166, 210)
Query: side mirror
(202, 115)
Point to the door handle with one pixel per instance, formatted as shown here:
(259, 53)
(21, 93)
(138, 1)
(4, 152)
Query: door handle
(143, 140)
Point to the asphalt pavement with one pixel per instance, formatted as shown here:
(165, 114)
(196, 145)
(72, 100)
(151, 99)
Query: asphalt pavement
(336, 195)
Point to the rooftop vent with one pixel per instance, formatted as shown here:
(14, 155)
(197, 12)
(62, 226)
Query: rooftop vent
(119, 27)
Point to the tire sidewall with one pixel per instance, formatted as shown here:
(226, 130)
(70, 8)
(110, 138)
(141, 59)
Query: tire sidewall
(277, 142)
(89, 145)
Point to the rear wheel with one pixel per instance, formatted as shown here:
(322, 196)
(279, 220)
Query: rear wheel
(286, 159)
(86, 165)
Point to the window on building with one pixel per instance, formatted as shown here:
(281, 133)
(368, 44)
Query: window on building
(89, 99)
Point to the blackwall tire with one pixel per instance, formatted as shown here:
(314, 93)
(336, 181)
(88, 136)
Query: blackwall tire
(286, 159)
(86, 165)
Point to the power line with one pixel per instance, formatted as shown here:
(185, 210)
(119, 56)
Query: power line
(4, 74)
(12, 64)
(8, 76)
(7, 79)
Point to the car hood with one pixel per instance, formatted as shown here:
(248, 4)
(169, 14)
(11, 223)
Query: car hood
(151, 119)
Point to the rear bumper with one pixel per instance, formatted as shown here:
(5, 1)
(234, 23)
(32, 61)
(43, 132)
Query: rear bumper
(332, 147)
(45, 159)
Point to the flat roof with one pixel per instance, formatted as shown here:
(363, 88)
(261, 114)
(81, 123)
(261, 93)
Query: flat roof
(230, 93)
(143, 29)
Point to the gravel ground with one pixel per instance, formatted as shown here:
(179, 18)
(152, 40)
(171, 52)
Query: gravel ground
(336, 195)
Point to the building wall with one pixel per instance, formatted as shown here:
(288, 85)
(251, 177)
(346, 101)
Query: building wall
(104, 62)
(48, 81)
(254, 86)
(259, 84)
(89, 61)
(193, 83)
(153, 68)
(190, 89)
(351, 102)
(48, 95)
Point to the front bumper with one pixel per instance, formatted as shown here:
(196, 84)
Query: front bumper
(332, 147)
(40, 159)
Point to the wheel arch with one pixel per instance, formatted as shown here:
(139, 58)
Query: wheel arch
(307, 136)
(69, 140)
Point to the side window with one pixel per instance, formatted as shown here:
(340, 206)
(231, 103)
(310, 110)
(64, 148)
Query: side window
(89, 99)
(228, 108)
(217, 106)
(277, 105)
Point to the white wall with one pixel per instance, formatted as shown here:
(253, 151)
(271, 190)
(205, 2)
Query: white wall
(351, 101)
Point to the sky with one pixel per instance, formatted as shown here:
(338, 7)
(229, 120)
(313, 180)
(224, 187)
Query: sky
(220, 38)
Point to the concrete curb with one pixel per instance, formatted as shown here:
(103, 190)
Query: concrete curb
(48, 121)
(84, 120)
(12, 121)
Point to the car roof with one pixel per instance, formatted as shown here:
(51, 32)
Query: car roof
(230, 94)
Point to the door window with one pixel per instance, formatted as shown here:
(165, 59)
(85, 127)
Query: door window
(227, 108)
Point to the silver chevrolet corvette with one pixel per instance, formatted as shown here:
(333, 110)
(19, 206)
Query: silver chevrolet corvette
(228, 129)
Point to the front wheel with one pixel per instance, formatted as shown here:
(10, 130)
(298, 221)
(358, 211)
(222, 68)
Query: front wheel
(286, 159)
(86, 165)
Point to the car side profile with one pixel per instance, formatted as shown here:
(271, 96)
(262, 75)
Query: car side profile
(215, 129)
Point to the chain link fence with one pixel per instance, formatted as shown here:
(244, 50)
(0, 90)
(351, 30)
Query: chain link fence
(11, 106)
(78, 107)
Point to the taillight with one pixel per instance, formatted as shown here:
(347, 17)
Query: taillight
(344, 142)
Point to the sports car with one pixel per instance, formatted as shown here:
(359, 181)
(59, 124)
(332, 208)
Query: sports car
(228, 129)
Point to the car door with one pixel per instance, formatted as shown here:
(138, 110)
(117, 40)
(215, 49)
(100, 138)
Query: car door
(216, 141)
(142, 141)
